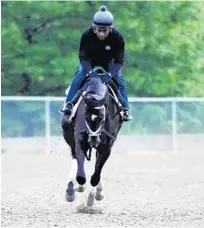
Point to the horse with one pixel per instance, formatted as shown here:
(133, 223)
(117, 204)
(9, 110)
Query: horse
(95, 122)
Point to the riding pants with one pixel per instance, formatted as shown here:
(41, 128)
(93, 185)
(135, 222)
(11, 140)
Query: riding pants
(80, 75)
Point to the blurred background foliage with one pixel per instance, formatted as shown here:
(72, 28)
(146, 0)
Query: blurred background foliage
(164, 45)
(164, 52)
(27, 118)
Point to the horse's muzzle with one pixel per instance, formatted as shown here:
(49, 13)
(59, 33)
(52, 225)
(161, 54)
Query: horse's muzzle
(94, 141)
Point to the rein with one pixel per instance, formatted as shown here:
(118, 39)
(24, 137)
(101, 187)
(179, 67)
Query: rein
(88, 156)
(97, 132)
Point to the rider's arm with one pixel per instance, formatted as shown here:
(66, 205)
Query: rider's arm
(83, 56)
(119, 57)
(117, 65)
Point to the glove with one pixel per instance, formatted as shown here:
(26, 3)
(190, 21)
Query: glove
(92, 73)
(106, 77)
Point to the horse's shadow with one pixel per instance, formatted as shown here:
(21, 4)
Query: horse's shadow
(84, 209)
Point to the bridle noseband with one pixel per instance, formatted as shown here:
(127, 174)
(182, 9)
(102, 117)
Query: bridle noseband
(99, 130)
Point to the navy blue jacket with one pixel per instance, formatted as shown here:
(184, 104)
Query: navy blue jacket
(108, 54)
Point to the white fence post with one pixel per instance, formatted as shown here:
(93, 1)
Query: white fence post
(47, 127)
(174, 128)
(47, 101)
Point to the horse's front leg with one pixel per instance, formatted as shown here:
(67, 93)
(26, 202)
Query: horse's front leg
(96, 183)
(81, 148)
(76, 172)
(77, 169)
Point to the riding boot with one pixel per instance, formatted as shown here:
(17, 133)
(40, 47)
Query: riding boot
(125, 107)
(70, 104)
(68, 108)
(127, 115)
(123, 97)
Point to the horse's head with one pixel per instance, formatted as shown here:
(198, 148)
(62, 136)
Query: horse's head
(95, 111)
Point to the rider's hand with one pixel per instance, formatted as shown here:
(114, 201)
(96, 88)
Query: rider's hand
(92, 73)
(106, 77)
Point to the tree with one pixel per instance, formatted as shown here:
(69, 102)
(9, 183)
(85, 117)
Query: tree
(164, 45)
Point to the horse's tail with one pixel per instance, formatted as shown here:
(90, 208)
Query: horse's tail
(88, 156)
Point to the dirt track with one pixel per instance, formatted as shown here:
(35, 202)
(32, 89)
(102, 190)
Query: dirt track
(141, 190)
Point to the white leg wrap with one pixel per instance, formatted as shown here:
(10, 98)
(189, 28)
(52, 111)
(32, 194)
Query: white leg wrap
(72, 171)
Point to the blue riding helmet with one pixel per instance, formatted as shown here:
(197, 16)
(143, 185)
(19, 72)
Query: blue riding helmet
(103, 17)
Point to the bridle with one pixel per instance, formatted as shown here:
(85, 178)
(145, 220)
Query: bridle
(97, 132)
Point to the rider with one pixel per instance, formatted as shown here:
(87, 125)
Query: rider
(101, 45)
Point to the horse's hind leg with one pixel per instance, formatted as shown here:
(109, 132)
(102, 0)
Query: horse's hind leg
(99, 188)
(68, 134)
(95, 193)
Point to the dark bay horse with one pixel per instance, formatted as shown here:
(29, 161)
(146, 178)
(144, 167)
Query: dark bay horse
(96, 124)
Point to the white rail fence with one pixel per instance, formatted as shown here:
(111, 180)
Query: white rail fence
(48, 100)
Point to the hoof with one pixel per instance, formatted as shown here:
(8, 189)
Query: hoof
(70, 192)
(99, 196)
(90, 200)
(81, 180)
(80, 188)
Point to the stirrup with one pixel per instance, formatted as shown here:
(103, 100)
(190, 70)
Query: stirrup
(62, 108)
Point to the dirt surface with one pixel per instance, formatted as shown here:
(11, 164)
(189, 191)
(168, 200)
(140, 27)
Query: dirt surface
(142, 189)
